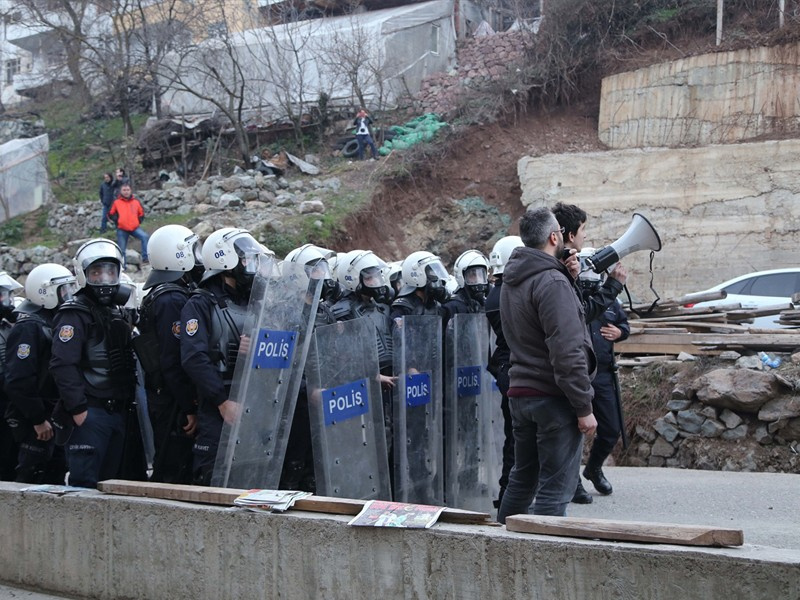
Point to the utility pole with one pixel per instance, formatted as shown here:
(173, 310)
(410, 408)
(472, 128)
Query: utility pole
(720, 10)
(781, 11)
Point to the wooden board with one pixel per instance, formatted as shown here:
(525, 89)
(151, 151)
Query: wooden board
(226, 496)
(626, 531)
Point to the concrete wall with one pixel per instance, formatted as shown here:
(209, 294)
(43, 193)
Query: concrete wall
(708, 99)
(721, 211)
(112, 547)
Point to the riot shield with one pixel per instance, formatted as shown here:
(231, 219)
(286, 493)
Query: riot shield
(496, 409)
(471, 469)
(283, 303)
(346, 411)
(418, 459)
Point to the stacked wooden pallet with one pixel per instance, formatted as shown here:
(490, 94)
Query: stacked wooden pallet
(676, 326)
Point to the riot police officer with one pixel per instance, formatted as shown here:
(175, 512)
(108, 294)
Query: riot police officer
(423, 290)
(9, 448)
(212, 321)
(30, 387)
(500, 360)
(93, 365)
(171, 398)
(471, 271)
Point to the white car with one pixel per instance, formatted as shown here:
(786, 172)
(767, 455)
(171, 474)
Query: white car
(759, 290)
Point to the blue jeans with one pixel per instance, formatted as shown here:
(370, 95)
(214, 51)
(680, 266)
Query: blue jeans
(94, 450)
(122, 241)
(547, 453)
(104, 217)
(366, 139)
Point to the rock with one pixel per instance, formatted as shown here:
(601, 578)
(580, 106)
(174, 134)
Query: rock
(792, 430)
(730, 418)
(710, 412)
(183, 209)
(776, 426)
(672, 463)
(663, 448)
(666, 430)
(230, 184)
(285, 199)
(690, 421)
(311, 206)
(782, 407)
(681, 392)
(296, 185)
(248, 182)
(685, 357)
(229, 201)
(750, 362)
(266, 196)
(257, 205)
(796, 358)
(249, 195)
(762, 436)
(670, 418)
(729, 355)
(679, 404)
(132, 257)
(646, 433)
(282, 183)
(712, 428)
(311, 158)
(742, 390)
(333, 183)
(737, 433)
(202, 209)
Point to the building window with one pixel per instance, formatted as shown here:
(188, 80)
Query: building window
(12, 68)
(434, 48)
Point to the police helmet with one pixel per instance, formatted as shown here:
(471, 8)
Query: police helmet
(502, 251)
(50, 285)
(174, 250)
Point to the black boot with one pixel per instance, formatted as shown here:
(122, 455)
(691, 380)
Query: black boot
(595, 475)
(581, 495)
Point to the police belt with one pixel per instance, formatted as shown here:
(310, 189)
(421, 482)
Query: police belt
(110, 404)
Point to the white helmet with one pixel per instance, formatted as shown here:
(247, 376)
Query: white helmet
(502, 251)
(50, 285)
(8, 285)
(234, 249)
(362, 271)
(97, 267)
(394, 273)
(478, 267)
(315, 261)
(422, 269)
(173, 250)
(451, 285)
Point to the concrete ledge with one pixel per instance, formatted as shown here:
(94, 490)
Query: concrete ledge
(114, 547)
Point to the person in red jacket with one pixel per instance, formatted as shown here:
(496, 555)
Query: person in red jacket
(128, 214)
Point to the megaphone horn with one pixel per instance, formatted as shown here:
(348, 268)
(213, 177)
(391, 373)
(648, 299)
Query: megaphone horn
(641, 235)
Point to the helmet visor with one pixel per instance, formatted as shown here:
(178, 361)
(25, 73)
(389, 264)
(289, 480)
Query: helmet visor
(65, 291)
(373, 277)
(102, 272)
(6, 298)
(318, 269)
(435, 271)
(249, 252)
(475, 275)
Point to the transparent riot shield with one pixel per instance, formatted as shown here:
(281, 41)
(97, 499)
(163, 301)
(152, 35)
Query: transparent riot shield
(471, 469)
(496, 411)
(344, 403)
(418, 457)
(283, 303)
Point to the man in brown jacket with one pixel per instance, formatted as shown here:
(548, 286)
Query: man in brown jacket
(550, 391)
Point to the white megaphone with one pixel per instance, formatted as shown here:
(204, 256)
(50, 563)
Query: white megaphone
(641, 235)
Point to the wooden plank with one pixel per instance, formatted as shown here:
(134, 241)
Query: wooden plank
(674, 349)
(226, 496)
(626, 531)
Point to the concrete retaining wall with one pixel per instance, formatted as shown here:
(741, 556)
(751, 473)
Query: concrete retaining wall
(709, 99)
(112, 547)
(721, 211)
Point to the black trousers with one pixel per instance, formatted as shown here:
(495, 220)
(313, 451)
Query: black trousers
(606, 411)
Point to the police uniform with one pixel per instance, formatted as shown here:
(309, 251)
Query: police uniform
(170, 393)
(94, 369)
(32, 395)
(499, 364)
(212, 321)
(411, 304)
(9, 447)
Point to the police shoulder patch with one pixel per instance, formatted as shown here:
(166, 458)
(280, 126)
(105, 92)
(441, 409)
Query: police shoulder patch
(66, 333)
(191, 327)
(23, 351)
(176, 329)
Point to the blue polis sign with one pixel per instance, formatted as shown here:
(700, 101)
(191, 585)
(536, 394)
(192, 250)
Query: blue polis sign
(274, 349)
(468, 381)
(345, 401)
(418, 389)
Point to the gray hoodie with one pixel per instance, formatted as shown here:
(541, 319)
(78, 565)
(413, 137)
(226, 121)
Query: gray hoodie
(543, 321)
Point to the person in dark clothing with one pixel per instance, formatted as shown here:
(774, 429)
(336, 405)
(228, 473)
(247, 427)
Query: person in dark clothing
(212, 321)
(93, 366)
(423, 290)
(550, 392)
(120, 179)
(171, 396)
(9, 447)
(364, 135)
(108, 193)
(500, 360)
(471, 271)
(28, 382)
(596, 299)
